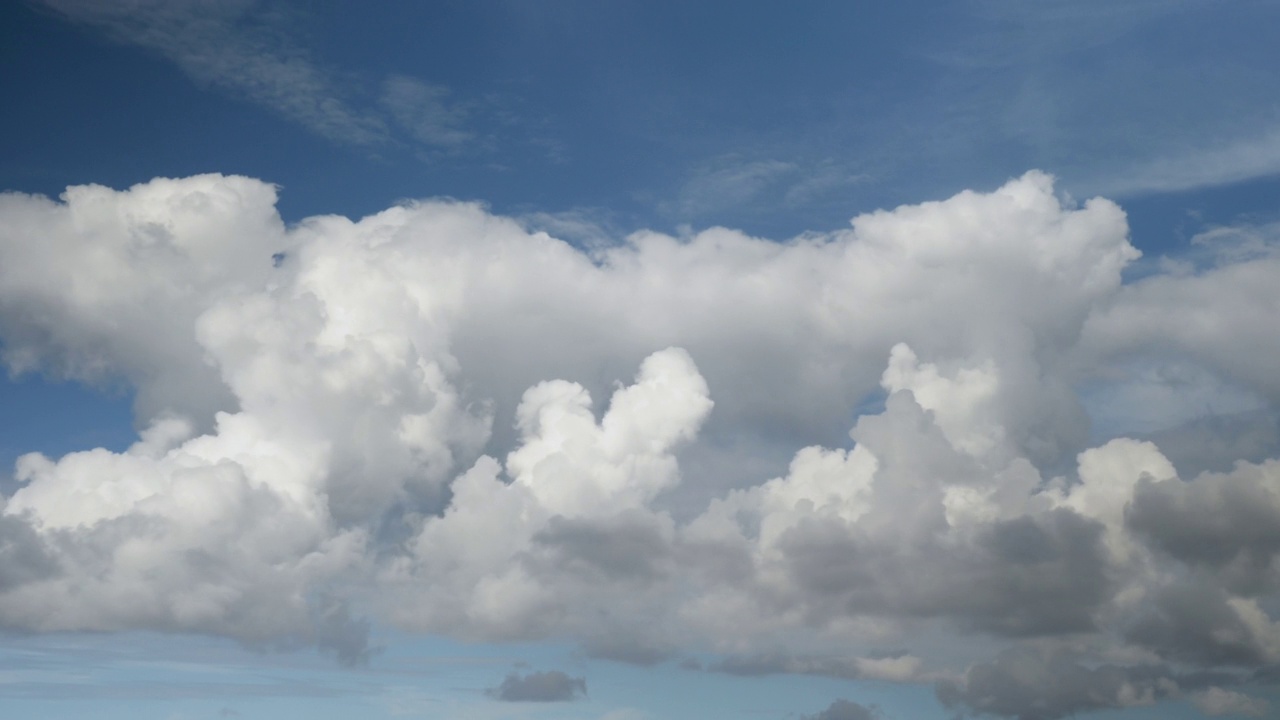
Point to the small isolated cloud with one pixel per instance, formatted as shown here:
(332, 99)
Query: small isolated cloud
(843, 710)
(1217, 702)
(550, 686)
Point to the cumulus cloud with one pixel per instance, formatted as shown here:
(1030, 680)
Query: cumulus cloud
(550, 686)
(786, 455)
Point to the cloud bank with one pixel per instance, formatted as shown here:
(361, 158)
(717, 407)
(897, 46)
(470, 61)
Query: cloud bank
(788, 454)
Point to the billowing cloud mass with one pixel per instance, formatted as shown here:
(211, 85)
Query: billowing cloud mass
(788, 455)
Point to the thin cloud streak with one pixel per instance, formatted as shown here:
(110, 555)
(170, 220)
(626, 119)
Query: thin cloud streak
(1237, 160)
(237, 47)
(224, 43)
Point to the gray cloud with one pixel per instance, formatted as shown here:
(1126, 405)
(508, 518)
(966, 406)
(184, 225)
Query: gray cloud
(624, 649)
(24, 558)
(1194, 621)
(1216, 442)
(843, 710)
(777, 663)
(347, 637)
(895, 666)
(1031, 684)
(1032, 575)
(1216, 702)
(630, 546)
(549, 686)
(1229, 524)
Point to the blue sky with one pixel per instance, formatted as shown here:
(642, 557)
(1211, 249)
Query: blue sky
(293, 433)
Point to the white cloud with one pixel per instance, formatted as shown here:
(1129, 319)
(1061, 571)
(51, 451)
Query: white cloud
(425, 416)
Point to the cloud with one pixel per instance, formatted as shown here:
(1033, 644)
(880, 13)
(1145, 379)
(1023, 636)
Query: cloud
(549, 686)
(1030, 684)
(590, 228)
(247, 49)
(896, 668)
(843, 710)
(23, 557)
(344, 636)
(1216, 702)
(1236, 160)
(426, 112)
(226, 44)
(781, 456)
(1224, 522)
(734, 182)
(1216, 442)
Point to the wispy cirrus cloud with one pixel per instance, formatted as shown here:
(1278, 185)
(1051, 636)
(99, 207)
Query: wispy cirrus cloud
(1236, 159)
(426, 112)
(230, 45)
(738, 183)
(1027, 83)
(243, 48)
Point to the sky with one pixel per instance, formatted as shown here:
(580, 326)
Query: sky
(639, 360)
